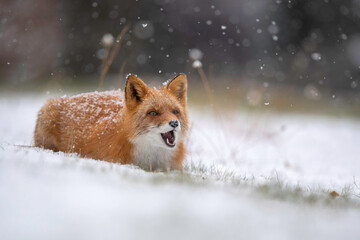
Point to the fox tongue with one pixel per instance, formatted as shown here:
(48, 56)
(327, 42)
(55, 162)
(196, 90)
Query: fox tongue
(169, 137)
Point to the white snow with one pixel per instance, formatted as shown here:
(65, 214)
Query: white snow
(316, 56)
(107, 40)
(197, 64)
(306, 151)
(47, 195)
(195, 54)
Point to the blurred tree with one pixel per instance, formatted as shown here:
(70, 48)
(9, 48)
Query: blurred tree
(277, 42)
(30, 39)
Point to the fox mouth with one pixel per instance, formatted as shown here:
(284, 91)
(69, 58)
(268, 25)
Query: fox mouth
(169, 138)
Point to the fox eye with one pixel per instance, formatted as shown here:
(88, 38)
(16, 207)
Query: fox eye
(153, 113)
(175, 112)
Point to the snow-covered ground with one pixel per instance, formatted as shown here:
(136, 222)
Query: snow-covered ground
(247, 175)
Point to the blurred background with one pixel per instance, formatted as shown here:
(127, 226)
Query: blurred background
(272, 54)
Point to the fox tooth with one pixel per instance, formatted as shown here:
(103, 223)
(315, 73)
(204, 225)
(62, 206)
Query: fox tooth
(167, 141)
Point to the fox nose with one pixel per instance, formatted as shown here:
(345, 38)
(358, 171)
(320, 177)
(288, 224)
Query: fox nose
(174, 123)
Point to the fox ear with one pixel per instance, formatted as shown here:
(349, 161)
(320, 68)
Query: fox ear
(178, 87)
(135, 91)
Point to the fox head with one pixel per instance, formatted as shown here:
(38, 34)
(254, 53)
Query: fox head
(158, 118)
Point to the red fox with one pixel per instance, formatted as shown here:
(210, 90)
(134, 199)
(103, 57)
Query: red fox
(142, 126)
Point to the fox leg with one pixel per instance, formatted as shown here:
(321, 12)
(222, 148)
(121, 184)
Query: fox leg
(179, 158)
(47, 126)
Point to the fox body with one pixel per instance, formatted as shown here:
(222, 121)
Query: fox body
(141, 126)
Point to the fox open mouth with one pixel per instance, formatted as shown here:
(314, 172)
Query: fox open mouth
(169, 138)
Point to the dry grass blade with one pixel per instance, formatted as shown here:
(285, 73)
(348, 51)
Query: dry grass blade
(211, 73)
(113, 53)
(206, 86)
(106, 56)
(121, 73)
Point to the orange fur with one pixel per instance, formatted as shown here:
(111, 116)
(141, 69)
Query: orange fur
(106, 125)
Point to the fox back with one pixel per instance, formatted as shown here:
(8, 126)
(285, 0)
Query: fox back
(141, 126)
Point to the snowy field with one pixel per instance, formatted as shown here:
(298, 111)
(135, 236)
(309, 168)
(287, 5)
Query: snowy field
(247, 175)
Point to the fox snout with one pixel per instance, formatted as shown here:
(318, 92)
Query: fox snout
(174, 123)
